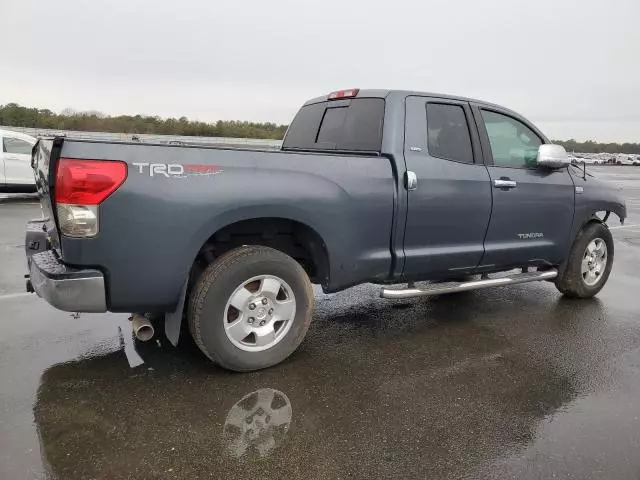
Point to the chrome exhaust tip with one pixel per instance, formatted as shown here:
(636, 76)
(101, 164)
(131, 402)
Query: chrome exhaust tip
(142, 327)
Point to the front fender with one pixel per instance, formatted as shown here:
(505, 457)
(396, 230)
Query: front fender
(594, 196)
(620, 209)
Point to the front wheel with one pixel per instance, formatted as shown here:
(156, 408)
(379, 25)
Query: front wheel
(251, 308)
(589, 263)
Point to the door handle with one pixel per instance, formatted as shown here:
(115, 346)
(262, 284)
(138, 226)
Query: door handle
(411, 180)
(504, 183)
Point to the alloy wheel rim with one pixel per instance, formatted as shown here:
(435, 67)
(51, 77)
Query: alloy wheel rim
(259, 313)
(594, 262)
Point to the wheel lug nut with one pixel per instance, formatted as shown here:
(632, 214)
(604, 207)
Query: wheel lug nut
(265, 301)
(262, 323)
(252, 306)
(270, 311)
(251, 320)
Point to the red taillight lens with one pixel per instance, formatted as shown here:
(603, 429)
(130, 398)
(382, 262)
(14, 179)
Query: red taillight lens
(87, 182)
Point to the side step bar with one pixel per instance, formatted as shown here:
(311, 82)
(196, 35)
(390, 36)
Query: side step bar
(451, 287)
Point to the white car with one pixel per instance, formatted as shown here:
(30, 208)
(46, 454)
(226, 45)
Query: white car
(15, 162)
(624, 159)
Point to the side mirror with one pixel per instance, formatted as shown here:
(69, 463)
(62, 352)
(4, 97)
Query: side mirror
(552, 156)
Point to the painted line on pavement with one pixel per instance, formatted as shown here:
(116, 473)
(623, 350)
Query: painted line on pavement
(623, 226)
(14, 295)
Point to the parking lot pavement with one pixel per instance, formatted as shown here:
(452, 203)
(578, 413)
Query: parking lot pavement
(514, 382)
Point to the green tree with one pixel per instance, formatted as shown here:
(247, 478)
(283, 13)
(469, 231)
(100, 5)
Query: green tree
(15, 115)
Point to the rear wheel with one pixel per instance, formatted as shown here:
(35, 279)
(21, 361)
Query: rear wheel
(251, 308)
(589, 263)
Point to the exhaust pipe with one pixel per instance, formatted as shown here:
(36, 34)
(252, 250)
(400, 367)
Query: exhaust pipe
(142, 328)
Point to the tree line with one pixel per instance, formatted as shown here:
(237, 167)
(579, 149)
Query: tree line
(16, 115)
(595, 147)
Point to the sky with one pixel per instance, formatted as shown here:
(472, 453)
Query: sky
(570, 66)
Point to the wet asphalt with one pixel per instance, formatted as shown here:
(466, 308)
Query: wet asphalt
(513, 382)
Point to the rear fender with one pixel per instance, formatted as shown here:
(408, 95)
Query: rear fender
(173, 320)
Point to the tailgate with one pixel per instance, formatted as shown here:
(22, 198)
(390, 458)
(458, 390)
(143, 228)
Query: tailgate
(45, 155)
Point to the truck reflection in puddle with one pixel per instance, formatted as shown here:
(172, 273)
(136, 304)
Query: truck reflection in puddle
(435, 389)
(257, 423)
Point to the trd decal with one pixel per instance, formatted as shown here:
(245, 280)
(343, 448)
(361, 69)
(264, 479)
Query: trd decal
(176, 170)
(192, 169)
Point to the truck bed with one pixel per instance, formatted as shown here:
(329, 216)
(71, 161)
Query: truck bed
(176, 197)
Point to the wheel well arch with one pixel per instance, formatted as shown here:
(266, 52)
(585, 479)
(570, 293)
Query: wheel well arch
(292, 237)
(598, 216)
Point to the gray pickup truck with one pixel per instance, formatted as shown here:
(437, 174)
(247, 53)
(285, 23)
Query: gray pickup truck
(377, 186)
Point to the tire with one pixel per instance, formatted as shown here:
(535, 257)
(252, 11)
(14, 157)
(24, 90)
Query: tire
(572, 282)
(244, 276)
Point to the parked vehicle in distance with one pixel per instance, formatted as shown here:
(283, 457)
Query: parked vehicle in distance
(575, 160)
(16, 174)
(378, 186)
(625, 159)
(606, 158)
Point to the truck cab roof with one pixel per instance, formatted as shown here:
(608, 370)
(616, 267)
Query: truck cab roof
(387, 93)
(353, 120)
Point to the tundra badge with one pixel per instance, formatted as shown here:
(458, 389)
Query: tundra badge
(524, 236)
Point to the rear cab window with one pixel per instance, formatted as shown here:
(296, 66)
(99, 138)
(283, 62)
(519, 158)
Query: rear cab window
(352, 125)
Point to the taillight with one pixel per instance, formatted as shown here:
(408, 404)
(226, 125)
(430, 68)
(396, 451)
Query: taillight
(80, 186)
(87, 182)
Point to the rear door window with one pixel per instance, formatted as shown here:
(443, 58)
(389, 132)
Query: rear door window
(349, 125)
(448, 133)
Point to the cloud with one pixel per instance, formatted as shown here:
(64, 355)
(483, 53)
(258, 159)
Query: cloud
(568, 65)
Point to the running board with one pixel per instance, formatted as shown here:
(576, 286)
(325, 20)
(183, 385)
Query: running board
(452, 287)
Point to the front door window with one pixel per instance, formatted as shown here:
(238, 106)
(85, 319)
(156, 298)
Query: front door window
(513, 144)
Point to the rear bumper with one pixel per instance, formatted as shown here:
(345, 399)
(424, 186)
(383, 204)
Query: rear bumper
(66, 288)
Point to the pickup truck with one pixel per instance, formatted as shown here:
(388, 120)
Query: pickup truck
(381, 186)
